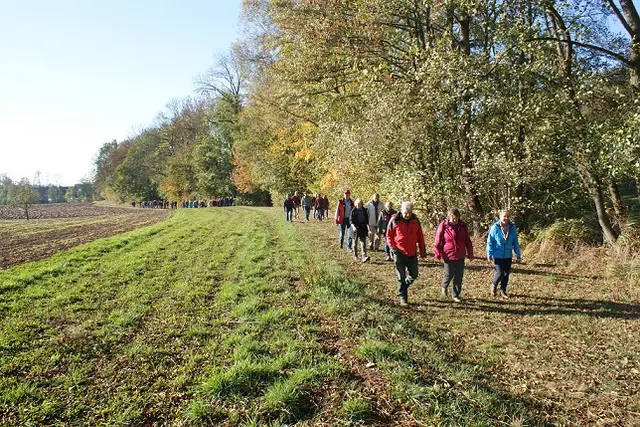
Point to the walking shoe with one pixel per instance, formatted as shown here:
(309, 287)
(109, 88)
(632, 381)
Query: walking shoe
(504, 295)
(443, 291)
(355, 258)
(387, 258)
(457, 299)
(403, 302)
(493, 290)
(365, 259)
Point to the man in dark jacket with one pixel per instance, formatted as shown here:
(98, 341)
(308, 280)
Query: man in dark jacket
(343, 219)
(288, 208)
(360, 224)
(404, 235)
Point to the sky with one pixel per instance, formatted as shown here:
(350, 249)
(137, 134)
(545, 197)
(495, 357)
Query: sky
(75, 74)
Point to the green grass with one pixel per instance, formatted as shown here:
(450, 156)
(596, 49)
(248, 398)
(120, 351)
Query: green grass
(234, 317)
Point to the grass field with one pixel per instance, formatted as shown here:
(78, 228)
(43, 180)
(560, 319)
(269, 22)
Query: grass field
(234, 317)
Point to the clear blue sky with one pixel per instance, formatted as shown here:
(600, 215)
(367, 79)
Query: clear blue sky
(75, 74)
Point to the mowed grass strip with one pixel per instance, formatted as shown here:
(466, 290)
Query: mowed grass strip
(193, 320)
(433, 382)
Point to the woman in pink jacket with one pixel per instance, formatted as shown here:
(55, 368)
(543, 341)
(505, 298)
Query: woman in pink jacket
(452, 246)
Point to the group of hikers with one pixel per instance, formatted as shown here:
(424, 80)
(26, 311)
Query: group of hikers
(225, 201)
(318, 204)
(154, 204)
(403, 239)
(173, 204)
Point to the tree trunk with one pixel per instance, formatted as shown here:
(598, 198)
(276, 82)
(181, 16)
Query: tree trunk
(471, 195)
(592, 182)
(632, 25)
(618, 204)
(608, 233)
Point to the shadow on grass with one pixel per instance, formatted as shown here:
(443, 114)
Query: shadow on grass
(524, 305)
(536, 413)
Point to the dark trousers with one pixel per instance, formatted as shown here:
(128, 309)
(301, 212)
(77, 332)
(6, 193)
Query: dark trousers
(453, 270)
(307, 211)
(405, 264)
(503, 269)
(289, 214)
(344, 231)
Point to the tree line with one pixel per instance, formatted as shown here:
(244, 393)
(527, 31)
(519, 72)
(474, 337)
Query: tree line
(483, 105)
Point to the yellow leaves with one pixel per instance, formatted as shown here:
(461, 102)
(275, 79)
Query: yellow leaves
(329, 181)
(294, 142)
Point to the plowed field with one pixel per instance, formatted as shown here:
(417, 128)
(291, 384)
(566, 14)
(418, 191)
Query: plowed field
(62, 226)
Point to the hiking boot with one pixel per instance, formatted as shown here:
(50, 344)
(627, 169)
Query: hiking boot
(504, 295)
(493, 290)
(404, 302)
(457, 299)
(365, 259)
(443, 291)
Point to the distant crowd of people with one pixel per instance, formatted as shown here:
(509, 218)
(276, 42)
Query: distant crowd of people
(173, 204)
(317, 204)
(367, 226)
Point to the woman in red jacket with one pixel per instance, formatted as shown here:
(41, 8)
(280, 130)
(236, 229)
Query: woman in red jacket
(453, 245)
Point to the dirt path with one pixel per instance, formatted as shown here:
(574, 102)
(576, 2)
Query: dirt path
(23, 241)
(569, 342)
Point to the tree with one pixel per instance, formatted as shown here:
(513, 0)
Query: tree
(70, 194)
(24, 196)
(53, 194)
(6, 186)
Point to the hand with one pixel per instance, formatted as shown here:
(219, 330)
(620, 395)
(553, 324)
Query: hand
(518, 260)
(490, 259)
(471, 258)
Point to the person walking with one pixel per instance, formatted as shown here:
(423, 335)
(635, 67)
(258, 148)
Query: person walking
(502, 242)
(383, 222)
(325, 203)
(318, 208)
(361, 229)
(305, 202)
(404, 236)
(373, 208)
(296, 204)
(342, 218)
(452, 245)
(288, 208)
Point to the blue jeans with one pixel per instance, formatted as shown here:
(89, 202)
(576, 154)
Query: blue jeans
(344, 230)
(503, 269)
(289, 215)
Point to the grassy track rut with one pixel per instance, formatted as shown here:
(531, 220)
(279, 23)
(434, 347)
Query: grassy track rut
(234, 317)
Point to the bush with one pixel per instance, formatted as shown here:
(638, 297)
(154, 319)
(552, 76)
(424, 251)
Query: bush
(561, 240)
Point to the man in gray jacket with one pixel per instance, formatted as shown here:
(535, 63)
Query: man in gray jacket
(374, 207)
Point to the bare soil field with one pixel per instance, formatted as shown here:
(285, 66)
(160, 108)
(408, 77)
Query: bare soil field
(59, 226)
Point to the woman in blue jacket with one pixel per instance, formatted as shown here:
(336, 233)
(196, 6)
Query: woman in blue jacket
(502, 241)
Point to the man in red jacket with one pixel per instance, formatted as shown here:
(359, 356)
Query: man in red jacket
(453, 245)
(404, 235)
